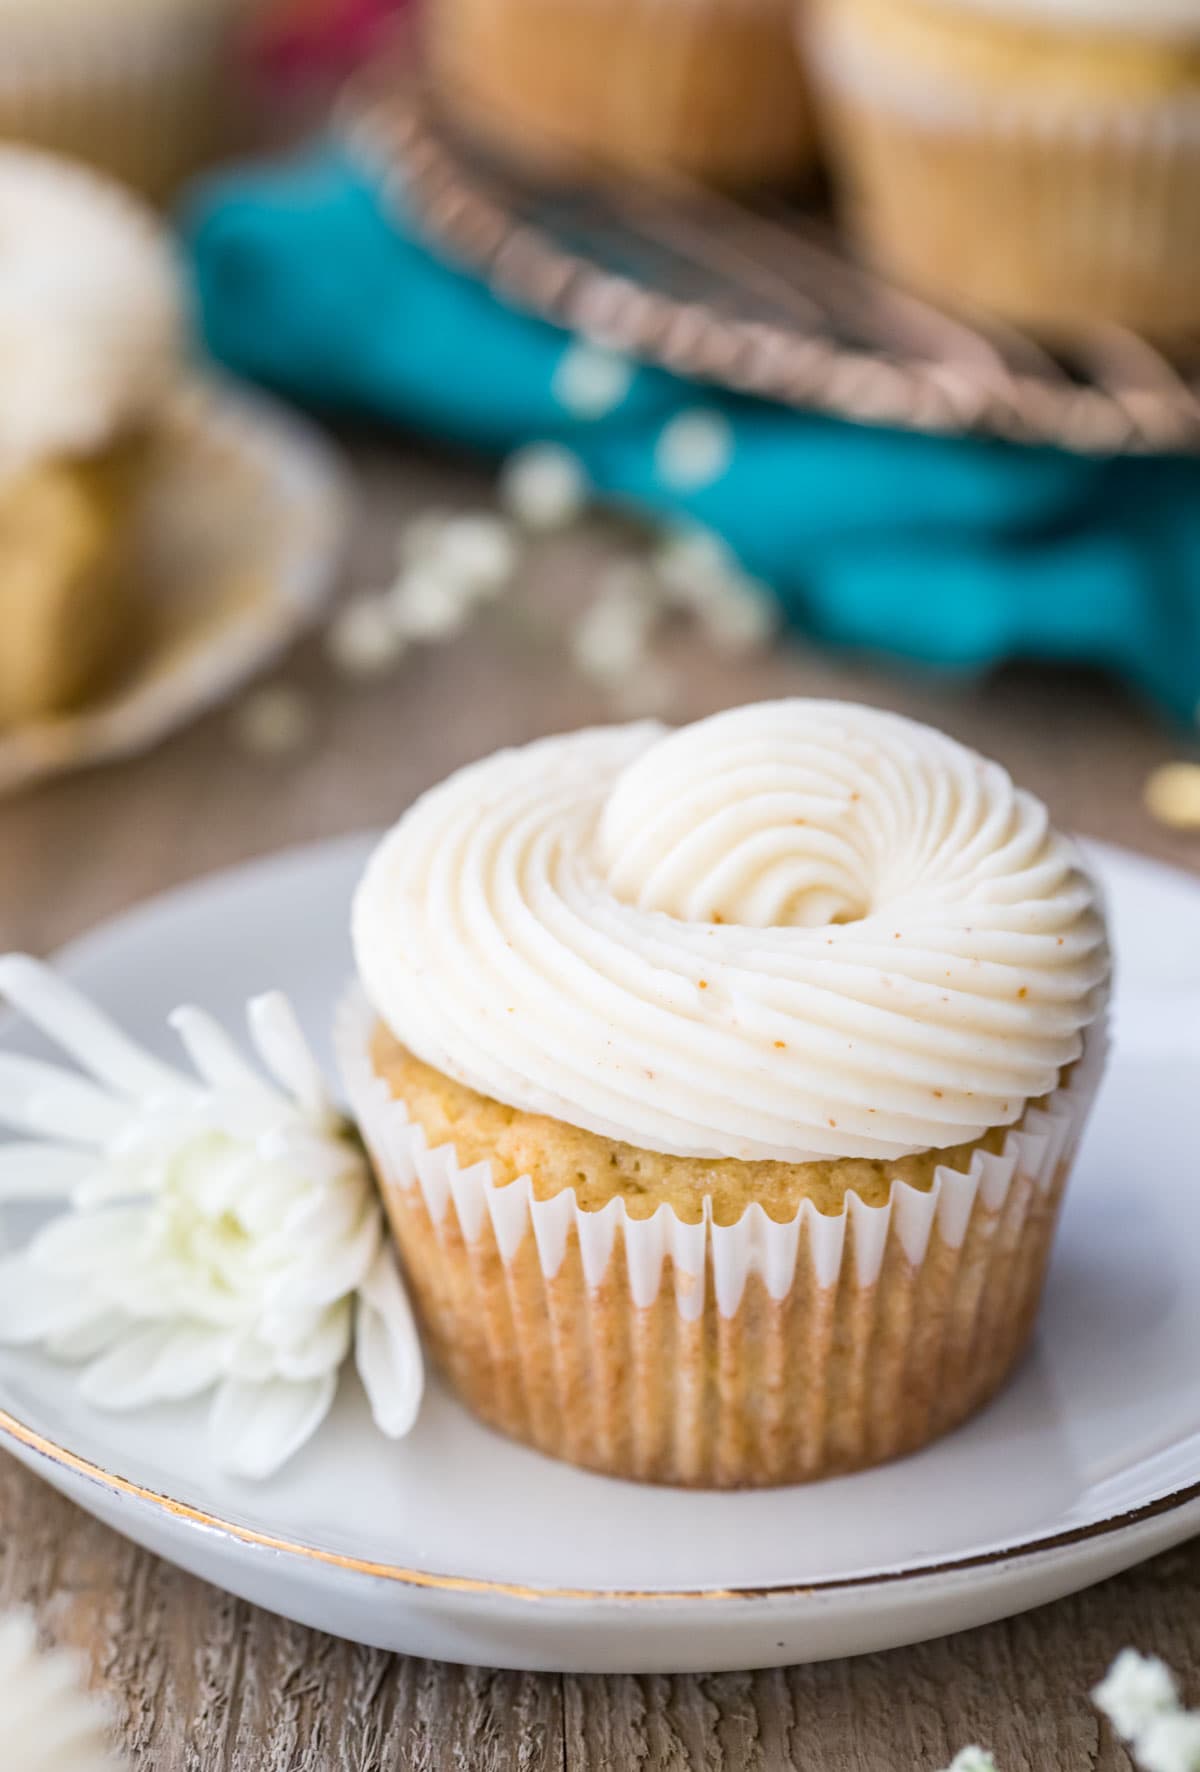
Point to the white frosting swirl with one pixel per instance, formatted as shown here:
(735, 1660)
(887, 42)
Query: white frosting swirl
(797, 930)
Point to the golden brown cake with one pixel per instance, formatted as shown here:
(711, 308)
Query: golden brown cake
(710, 90)
(1034, 160)
(68, 609)
(722, 1084)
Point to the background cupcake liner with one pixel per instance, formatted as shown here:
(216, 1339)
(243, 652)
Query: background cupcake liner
(1049, 213)
(708, 89)
(145, 95)
(704, 1354)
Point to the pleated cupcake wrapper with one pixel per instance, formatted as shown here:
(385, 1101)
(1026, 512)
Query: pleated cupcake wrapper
(1055, 213)
(141, 96)
(755, 1244)
(723, 1354)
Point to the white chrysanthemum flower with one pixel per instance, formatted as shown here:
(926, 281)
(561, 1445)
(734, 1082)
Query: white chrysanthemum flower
(972, 1759)
(48, 1723)
(1136, 1690)
(1169, 1743)
(224, 1232)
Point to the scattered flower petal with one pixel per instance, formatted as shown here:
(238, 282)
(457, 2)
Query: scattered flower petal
(613, 635)
(48, 1722)
(972, 1759)
(1135, 1690)
(274, 721)
(427, 604)
(544, 487)
(363, 639)
(694, 450)
(1169, 1744)
(478, 551)
(591, 381)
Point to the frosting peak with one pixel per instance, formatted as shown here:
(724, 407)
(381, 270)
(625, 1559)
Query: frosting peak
(796, 930)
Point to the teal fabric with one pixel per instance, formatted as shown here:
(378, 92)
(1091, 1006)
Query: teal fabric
(955, 552)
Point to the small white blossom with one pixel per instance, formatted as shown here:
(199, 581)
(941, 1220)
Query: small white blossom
(591, 381)
(544, 487)
(742, 618)
(223, 1231)
(363, 638)
(429, 605)
(274, 721)
(1169, 1743)
(1136, 1690)
(972, 1759)
(48, 1722)
(694, 450)
(693, 565)
(612, 637)
(479, 551)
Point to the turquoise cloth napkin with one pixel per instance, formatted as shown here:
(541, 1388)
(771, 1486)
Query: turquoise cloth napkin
(955, 552)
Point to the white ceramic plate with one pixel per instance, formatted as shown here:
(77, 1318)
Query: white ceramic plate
(460, 1545)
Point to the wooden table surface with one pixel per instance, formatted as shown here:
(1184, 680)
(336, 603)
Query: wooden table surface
(203, 1682)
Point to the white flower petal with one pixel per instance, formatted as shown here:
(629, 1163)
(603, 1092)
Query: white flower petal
(164, 1363)
(215, 1056)
(37, 1097)
(387, 1349)
(48, 1723)
(85, 1243)
(1170, 1744)
(323, 1349)
(42, 1171)
(1135, 1689)
(278, 1038)
(34, 1304)
(331, 1273)
(83, 1341)
(81, 1029)
(255, 1428)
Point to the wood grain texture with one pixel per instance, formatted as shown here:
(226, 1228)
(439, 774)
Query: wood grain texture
(200, 1682)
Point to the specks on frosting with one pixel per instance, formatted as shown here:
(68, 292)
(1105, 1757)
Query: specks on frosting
(906, 953)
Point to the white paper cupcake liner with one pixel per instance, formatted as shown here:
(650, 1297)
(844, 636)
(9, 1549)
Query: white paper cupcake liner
(1059, 212)
(948, 1277)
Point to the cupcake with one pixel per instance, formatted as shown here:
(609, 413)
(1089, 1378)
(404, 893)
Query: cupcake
(139, 88)
(710, 90)
(722, 1084)
(1036, 160)
(91, 342)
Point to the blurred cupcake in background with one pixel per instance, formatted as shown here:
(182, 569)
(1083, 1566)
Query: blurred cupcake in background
(1038, 160)
(139, 88)
(91, 343)
(710, 90)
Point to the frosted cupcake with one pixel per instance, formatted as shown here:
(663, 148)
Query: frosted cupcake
(91, 341)
(141, 89)
(723, 1084)
(705, 89)
(1035, 159)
